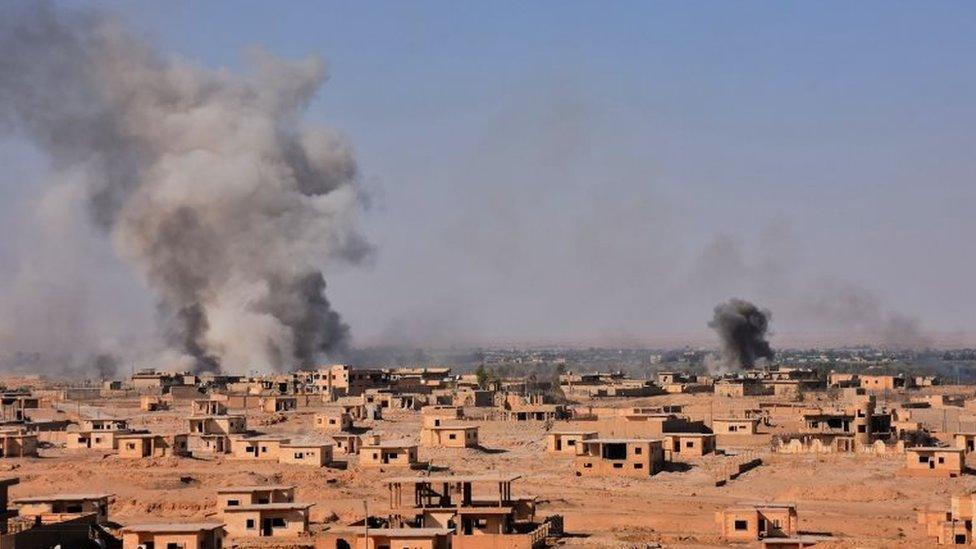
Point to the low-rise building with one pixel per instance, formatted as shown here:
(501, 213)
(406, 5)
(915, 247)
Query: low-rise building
(316, 454)
(735, 426)
(262, 447)
(346, 443)
(182, 535)
(17, 443)
(278, 403)
(566, 442)
(753, 522)
(333, 420)
(142, 445)
(378, 453)
(688, 445)
(934, 461)
(619, 457)
(61, 507)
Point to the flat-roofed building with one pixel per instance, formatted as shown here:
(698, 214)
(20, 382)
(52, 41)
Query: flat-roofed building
(391, 453)
(346, 443)
(5, 511)
(688, 445)
(298, 452)
(170, 535)
(143, 445)
(565, 442)
(17, 443)
(217, 424)
(934, 461)
(61, 507)
(266, 519)
(262, 447)
(278, 403)
(249, 495)
(480, 509)
(208, 407)
(735, 426)
(449, 436)
(334, 419)
(619, 457)
(752, 522)
(358, 538)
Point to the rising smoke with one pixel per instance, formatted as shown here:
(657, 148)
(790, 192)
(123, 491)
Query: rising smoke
(205, 181)
(741, 328)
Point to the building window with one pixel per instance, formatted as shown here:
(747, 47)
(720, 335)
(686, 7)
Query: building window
(232, 502)
(689, 444)
(637, 451)
(741, 525)
(250, 524)
(452, 436)
(277, 522)
(941, 460)
(923, 459)
(638, 466)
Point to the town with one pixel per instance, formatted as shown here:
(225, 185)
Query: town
(341, 457)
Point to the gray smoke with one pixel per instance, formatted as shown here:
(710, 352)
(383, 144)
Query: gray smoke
(205, 180)
(741, 328)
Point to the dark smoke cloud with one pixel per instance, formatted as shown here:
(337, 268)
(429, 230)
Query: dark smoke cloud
(741, 328)
(205, 181)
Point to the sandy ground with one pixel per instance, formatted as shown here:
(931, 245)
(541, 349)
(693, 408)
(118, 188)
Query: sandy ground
(862, 500)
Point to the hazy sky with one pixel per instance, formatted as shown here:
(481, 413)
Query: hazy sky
(606, 172)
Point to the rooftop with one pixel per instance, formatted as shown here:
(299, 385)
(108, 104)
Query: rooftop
(62, 497)
(173, 527)
(454, 478)
(242, 489)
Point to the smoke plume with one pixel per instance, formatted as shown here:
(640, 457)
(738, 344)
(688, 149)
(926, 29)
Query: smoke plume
(206, 181)
(741, 328)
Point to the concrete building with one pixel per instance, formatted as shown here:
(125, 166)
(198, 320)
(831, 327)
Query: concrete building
(61, 507)
(17, 443)
(143, 445)
(735, 426)
(753, 522)
(260, 447)
(278, 403)
(372, 538)
(346, 443)
(566, 442)
(619, 457)
(333, 420)
(316, 454)
(449, 436)
(935, 461)
(376, 453)
(479, 510)
(182, 535)
(687, 445)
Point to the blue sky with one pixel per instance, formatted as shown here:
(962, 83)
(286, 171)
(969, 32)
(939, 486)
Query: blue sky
(608, 171)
